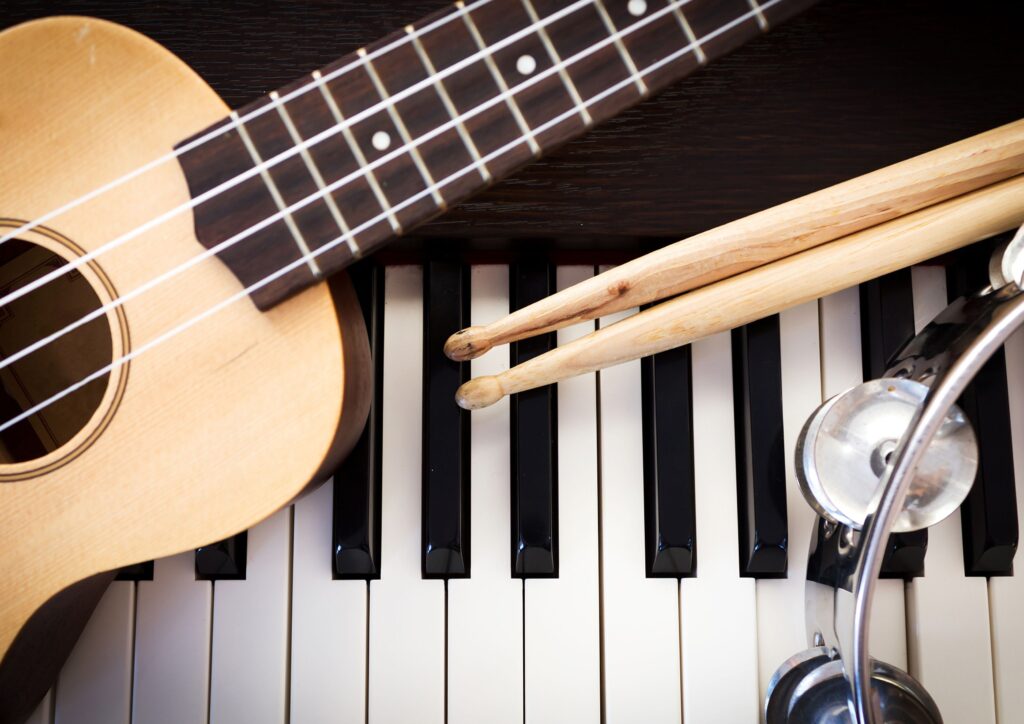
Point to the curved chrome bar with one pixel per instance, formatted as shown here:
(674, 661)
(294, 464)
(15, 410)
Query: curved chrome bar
(1006, 316)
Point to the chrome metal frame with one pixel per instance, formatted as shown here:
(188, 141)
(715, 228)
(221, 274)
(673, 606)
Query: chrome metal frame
(985, 324)
(845, 563)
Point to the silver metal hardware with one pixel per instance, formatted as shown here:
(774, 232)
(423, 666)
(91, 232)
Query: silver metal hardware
(822, 696)
(1007, 263)
(847, 445)
(985, 323)
(836, 680)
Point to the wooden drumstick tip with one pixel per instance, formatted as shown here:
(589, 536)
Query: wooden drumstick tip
(467, 344)
(478, 393)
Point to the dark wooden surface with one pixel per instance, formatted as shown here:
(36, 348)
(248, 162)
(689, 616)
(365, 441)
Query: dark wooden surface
(846, 87)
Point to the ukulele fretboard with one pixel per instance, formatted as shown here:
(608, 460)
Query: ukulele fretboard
(303, 181)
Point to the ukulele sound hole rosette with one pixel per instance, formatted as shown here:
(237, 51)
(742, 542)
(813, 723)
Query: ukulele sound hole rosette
(849, 442)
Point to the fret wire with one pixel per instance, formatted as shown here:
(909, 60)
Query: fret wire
(510, 100)
(414, 150)
(560, 118)
(364, 171)
(548, 124)
(671, 57)
(761, 20)
(570, 86)
(691, 47)
(319, 80)
(624, 53)
(311, 166)
(449, 106)
(371, 176)
(702, 58)
(282, 207)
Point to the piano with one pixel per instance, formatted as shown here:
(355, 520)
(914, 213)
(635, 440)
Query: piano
(630, 545)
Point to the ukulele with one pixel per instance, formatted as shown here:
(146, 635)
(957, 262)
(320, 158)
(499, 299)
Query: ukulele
(179, 356)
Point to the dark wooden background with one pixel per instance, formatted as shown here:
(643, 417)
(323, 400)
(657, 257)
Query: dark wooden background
(847, 87)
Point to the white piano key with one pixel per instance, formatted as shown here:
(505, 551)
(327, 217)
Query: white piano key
(1006, 593)
(328, 623)
(841, 369)
(949, 643)
(485, 612)
(248, 665)
(172, 645)
(718, 608)
(407, 613)
(841, 365)
(43, 713)
(781, 628)
(929, 287)
(95, 685)
(641, 615)
(563, 627)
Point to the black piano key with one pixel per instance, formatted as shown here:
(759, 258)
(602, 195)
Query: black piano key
(887, 320)
(670, 519)
(137, 572)
(904, 555)
(989, 513)
(223, 560)
(356, 523)
(445, 528)
(887, 323)
(760, 456)
(534, 440)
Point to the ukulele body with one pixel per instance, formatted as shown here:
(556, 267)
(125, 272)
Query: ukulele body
(198, 436)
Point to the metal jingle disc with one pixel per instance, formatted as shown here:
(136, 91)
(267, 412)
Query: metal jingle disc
(847, 445)
(789, 676)
(823, 697)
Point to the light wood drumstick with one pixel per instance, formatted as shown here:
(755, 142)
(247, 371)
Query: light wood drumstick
(769, 289)
(780, 231)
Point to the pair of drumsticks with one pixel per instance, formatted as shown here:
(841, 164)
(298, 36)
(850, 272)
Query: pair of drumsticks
(767, 262)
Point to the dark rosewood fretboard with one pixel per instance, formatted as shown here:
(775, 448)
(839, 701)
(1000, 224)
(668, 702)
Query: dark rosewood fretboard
(333, 166)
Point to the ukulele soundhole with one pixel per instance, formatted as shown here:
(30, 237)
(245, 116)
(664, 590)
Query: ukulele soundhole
(36, 378)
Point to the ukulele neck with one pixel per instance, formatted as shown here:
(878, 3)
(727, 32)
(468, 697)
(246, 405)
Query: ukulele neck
(303, 181)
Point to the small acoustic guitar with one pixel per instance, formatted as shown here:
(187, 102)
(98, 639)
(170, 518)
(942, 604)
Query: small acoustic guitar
(172, 369)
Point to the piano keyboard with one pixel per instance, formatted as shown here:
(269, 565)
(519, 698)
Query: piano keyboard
(630, 547)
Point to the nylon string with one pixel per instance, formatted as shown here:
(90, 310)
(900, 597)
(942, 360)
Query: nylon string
(173, 332)
(362, 171)
(210, 135)
(284, 155)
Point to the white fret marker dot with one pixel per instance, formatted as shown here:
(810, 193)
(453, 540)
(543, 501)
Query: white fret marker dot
(637, 7)
(381, 140)
(526, 64)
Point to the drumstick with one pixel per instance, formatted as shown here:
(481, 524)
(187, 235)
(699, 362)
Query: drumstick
(768, 289)
(780, 231)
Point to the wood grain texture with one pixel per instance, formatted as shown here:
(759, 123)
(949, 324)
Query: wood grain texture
(769, 289)
(205, 439)
(843, 89)
(769, 235)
